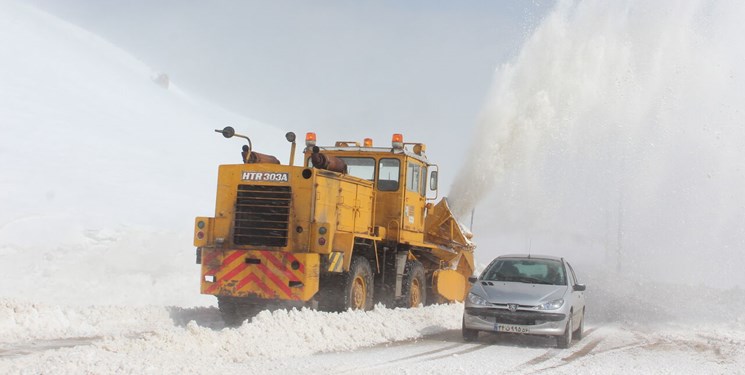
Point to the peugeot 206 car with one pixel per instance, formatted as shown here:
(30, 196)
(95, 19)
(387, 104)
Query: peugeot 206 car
(526, 294)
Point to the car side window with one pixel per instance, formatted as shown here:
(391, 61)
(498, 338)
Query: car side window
(574, 277)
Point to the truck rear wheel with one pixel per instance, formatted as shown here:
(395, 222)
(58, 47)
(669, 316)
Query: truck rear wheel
(234, 311)
(358, 285)
(350, 290)
(414, 287)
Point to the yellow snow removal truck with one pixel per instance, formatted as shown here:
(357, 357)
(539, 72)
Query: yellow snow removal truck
(349, 228)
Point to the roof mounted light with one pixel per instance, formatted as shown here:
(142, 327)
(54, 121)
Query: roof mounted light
(398, 141)
(367, 142)
(310, 139)
(419, 148)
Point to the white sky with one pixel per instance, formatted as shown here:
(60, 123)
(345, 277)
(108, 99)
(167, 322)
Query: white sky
(346, 70)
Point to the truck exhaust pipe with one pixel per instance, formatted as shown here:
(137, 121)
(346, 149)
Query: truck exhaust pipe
(255, 157)
(329, 163)
(249, 157)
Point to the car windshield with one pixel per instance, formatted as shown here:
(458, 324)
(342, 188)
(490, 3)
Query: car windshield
(534, 271)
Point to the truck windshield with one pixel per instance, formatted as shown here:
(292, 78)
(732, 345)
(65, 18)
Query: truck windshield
(361, 167)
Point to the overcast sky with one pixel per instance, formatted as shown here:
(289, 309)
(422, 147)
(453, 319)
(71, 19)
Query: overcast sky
(346, 70)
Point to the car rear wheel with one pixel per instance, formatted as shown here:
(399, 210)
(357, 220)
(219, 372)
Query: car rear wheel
(469, 335)
(564, 341)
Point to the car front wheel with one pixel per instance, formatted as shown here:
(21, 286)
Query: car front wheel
(581, 329)
(469, 334)
(564, 341)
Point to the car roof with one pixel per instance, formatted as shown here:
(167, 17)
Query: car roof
(531, 256)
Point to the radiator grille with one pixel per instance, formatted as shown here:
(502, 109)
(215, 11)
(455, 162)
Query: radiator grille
(262, 215)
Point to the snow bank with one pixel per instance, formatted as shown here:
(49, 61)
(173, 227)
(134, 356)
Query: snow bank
(103, 170)
(111, 339)
(24, 321)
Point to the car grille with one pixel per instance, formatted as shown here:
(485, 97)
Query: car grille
(526, 318)
(262, 215)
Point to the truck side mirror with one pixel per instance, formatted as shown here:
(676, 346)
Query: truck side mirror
(433, 180)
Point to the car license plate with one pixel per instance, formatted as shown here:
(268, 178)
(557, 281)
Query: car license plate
(510, 328)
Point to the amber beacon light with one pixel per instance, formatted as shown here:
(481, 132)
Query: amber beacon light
(310, 139)
(398, 141)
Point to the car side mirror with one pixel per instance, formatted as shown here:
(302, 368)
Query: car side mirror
(580, 287)
(472, 279)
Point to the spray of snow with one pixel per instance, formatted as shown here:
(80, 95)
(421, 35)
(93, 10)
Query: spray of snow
(616, 136)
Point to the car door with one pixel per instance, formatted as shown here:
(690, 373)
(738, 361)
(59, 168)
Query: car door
(578, 296)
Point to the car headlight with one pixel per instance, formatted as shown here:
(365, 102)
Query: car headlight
(553, 305)
(477, 300)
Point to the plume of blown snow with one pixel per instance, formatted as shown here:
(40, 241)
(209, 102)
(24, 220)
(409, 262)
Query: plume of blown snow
(617, 131)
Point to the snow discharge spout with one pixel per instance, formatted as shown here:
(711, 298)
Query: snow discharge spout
(618, 135)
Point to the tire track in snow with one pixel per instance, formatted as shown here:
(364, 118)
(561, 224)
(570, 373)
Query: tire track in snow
(429, 352)
(549, 354)
(44, 345)
(38, 346)
(464, 351)
(429, 355)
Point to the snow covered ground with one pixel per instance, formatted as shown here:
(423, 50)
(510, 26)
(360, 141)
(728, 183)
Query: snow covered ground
(102, 173)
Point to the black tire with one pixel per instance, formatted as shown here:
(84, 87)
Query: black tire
(580, 331)
(564, 341)
(330, 293)
(469, 335)
(357, 286)
(234, 311)
(413, 286)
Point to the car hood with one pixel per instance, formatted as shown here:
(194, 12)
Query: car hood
(503, 292)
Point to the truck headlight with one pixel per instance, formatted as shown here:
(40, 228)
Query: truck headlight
(477, 300)
(553, 305)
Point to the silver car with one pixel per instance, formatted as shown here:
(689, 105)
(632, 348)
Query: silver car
(526, 294)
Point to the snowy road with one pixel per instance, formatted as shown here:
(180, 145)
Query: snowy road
(604, 350)
(194, 341)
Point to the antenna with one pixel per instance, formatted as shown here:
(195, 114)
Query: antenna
(530, 245)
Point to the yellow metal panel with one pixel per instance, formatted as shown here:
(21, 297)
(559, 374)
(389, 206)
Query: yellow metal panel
(206, 230)
(301, 205)
(346, 212)
(321, 243)
(364, 205)
(344, 242)
(450, 284)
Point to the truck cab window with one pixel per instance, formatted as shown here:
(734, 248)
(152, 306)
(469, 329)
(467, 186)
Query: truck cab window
(388, 172)
(413, 177)
(363, 168)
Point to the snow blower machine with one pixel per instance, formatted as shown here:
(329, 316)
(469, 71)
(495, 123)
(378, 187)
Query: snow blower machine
(355, 225)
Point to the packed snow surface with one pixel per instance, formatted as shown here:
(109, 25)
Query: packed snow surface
(103, 171)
